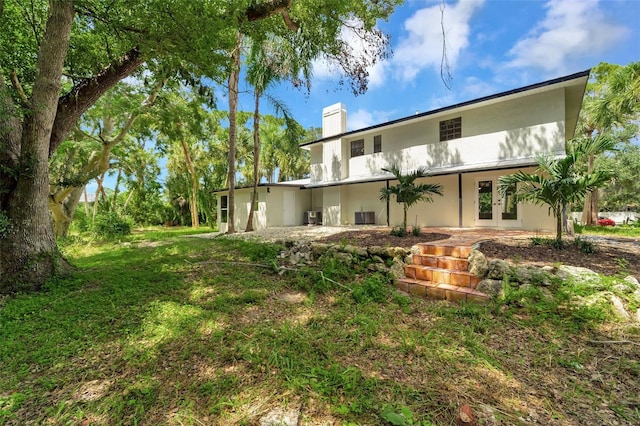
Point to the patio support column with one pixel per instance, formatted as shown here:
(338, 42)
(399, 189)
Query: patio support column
(459, 200)
(388, 206)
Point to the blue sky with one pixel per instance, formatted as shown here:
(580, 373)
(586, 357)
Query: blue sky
(492, 46)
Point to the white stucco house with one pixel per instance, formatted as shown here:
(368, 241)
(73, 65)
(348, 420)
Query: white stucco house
(466, 148)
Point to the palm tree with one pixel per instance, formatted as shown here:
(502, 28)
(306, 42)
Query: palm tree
(407, 191)
(556, 182)
(612, 101)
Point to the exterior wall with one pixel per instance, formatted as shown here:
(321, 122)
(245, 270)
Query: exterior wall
(443, 211)
(519, 128)
(334, 120)
(317, 163)
(331, 169)
(331, 206)
(278, 207)
(286, 206)
(242, 206)
(364, 197)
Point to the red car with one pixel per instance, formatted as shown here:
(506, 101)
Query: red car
(605, 221)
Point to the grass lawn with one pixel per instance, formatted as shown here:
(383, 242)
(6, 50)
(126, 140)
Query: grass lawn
(632, 231)
(164, 329)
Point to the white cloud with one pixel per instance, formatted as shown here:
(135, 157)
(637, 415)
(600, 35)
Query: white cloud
(360, 119)
(571, 29)
(363, 118)
(476, 88)
(422, 48)
(325, 69)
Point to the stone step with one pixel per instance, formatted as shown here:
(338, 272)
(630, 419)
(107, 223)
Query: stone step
(441, 276)
(442, 262)
(438, 291)
(436, 249)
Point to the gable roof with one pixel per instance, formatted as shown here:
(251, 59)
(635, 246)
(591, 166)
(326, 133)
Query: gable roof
(560, 82)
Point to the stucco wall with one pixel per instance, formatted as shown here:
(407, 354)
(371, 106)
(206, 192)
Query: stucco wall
(331, 206)
(519, 128)
(443, 211)
(331, 162)
(364, 198)
(274, 207)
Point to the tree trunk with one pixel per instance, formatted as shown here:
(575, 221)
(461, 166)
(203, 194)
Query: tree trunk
(193, 197)
(99, 191)
(256, 160)
(404, 220)
(28, 252)
(62, 211)
(590, 207)
(233, 107)
(115, 191)
(129, 197)
(86, 201)
(97, 164)
(558, 214)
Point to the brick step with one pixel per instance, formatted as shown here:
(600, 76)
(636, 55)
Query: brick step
(440, 275)
(436, 249)
(442, 262)
(438, 291)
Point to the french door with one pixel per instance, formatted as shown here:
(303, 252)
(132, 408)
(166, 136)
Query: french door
(494, 209)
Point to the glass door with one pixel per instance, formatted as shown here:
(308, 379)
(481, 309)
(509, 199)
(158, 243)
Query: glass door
(485, 203)
(494, 209)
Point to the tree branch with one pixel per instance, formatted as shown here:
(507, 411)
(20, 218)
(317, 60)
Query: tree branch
(15, 82)
(84, 94)
(264, 10)
(146, 104)
(445, 68)
(289, 22)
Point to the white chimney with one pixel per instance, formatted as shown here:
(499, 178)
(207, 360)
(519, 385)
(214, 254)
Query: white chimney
(334, 120)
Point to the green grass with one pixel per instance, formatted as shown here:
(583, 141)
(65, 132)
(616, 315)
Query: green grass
(163, 329)
(620, 230)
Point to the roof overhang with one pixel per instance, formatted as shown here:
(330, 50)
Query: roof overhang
(299, 184)
(442, 171)
(575, 85)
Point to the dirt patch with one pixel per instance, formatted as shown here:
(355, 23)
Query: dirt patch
(611, 257)
(621, 258)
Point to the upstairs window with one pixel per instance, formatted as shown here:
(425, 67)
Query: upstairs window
(451, 129)
(377, 143)
(357, 148)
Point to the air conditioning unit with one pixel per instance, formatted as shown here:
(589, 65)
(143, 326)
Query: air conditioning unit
(312, 217)
(365, 218)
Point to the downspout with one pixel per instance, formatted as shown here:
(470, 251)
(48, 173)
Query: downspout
(459, 200)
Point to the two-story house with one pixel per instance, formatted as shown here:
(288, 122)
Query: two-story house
(466, 148)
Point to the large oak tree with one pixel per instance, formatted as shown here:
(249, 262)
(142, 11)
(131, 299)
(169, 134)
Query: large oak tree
(59, 57)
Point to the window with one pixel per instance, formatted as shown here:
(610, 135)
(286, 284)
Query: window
(377, 143)
(451, 129)
(224, 208)
(357, 148)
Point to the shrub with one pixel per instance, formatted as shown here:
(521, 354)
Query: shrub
(111, 225)
(585, 246)
(399, 231)
(415, 231)
(81, 222)
(551, 242)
